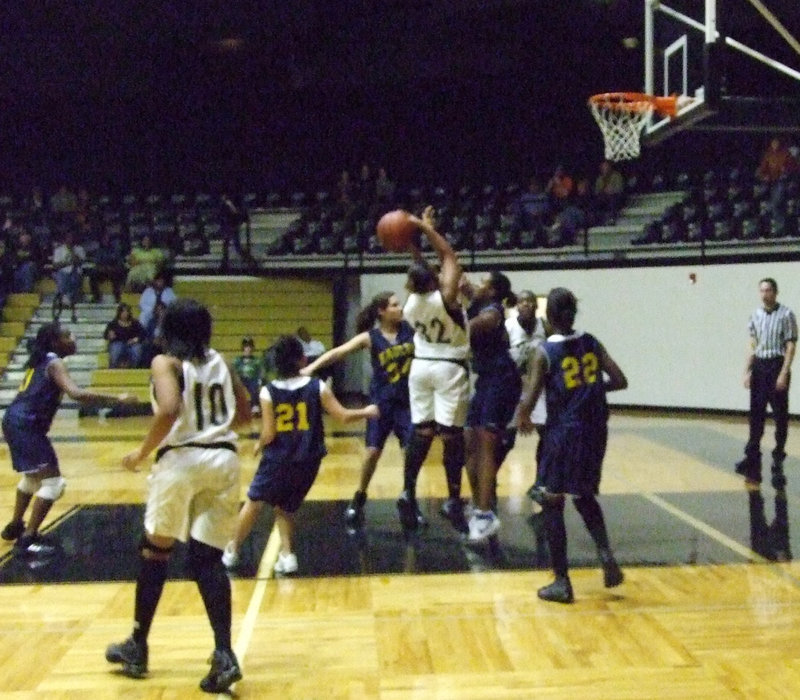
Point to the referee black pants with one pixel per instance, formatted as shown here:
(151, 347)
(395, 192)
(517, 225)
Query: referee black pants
(762, 393)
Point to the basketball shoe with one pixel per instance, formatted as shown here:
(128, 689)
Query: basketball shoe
(132, 656)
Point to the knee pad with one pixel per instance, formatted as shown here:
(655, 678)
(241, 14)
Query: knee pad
(28, 484)
(146, 545)
(52, 488)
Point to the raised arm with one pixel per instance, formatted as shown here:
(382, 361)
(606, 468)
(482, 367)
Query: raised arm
(334, 355)
(450, 272)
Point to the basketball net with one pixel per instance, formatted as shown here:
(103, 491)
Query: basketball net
(621, 117)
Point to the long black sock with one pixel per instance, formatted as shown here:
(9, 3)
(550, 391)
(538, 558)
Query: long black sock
(207, 569)
(556, 536)
(149, 585)
(592, 515)
(416, 451)
(453, 457)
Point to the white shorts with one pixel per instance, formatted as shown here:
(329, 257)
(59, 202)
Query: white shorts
(194, 491)
(439, 391)
(538, 414)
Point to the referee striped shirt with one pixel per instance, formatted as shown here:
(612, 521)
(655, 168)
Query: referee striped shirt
(771, 330)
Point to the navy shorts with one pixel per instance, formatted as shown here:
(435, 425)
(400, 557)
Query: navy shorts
(30, 451)
(571, 460)
(495, 399)
(283, 484)
(395, 417)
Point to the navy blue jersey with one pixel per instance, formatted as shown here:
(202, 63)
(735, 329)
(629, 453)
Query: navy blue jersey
(491, 351)
(574, 442)
(299, 436)
(574, 387)
(38, 399)
(391, 362)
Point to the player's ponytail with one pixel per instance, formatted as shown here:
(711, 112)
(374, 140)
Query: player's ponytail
(369, 314)
(46, 340)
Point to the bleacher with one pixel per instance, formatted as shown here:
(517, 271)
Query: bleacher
(263, 308)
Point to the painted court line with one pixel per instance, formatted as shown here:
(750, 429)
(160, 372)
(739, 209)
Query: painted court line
(265, 566)
(705, 528)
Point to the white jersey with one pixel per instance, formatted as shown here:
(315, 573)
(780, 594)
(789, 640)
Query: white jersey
(208, 404)
(522, 346)
(436, 335)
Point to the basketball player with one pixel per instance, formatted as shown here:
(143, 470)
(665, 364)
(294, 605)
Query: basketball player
(526, 332)
(293, 443)
(497, 391)
(438, 382)
(193, 488)
(571, 366)
(390, 341)
(25, 426)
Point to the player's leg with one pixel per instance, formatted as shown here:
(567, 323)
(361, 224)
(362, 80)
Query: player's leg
(750, 466)
(560, 590)
(592, 514)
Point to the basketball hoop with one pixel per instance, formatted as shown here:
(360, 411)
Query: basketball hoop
(621, 117)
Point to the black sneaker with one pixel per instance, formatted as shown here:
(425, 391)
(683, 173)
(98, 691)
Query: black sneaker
(354, 513)
(13, 530)
(35, 545)
(749, 469)
(408, 510)
(453, 510)
(224, 672)
(560, 591)
(612, 574)
(132, 656)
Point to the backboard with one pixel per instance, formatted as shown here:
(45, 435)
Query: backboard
(737, 61)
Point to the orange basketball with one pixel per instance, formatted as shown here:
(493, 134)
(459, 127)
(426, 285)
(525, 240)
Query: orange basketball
(396, 230)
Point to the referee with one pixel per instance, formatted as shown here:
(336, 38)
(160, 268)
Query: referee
(773, 338)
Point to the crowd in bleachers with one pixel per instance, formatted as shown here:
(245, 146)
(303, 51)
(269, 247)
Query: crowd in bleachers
(125, 239)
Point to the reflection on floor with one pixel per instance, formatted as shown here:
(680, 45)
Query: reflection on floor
(98, 543)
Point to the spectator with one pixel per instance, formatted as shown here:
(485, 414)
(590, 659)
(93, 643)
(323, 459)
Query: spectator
(559, 188)
(145, 261)
(574, 218)
(68, 260)
(609, 190)
(384, 190)
(776, 165)
(249, 368)
(534, 207)
(64, 204)
(125, 336)
(6, 272)
(158, 291)
(154, 342)
(109, 264)
(27, 260)
(312, 348)
(232, 216)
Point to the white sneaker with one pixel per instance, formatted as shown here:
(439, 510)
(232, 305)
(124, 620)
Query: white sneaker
(482, 525)
(230, 557)
(286, 564)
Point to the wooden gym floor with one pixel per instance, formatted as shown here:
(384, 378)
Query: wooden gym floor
(710, 606)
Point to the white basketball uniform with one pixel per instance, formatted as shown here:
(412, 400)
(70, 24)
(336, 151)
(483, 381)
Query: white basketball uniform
(438, 383)
(194, 485)
(522, 347)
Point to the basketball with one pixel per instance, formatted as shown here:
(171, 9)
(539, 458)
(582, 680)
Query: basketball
(396, 230)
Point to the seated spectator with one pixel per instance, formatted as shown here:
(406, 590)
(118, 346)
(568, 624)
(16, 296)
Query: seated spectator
(145, 261)
(534, 206)
(249, 368)
(109, 264)
(777, 164)
(559, 188)
(126, 337)
(157, 292)
(27, 260)
(154, 344)
(311, 348)
(68, 260)
(609, 191)
(6, 272)
(574, 218)
(384, 191)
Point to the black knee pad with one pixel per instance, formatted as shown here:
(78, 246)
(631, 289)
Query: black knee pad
(146, 545)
